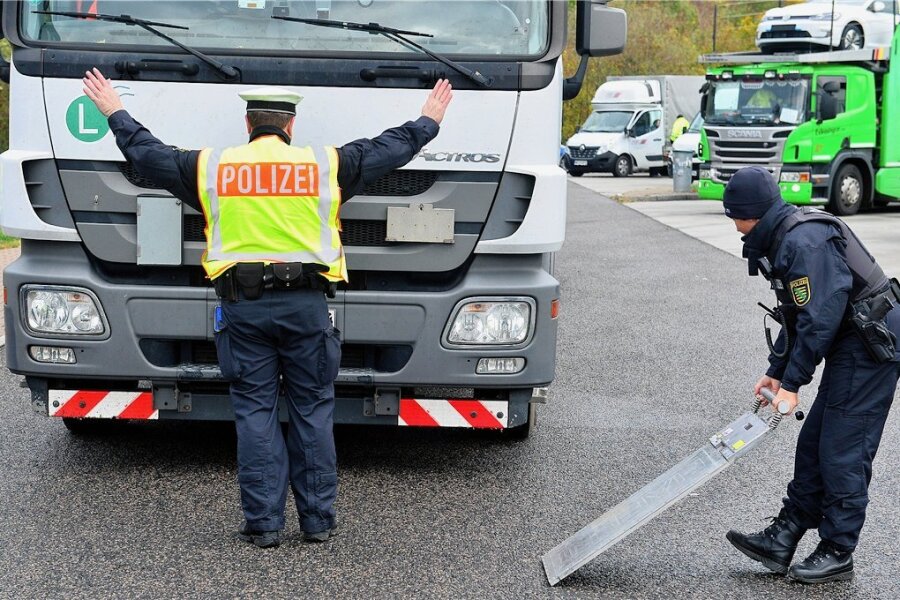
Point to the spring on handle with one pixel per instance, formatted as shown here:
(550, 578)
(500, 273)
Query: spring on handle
(756, 405)
(774, 420)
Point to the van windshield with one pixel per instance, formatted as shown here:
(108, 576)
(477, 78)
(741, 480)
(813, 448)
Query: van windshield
(607, 121)
(483, 28)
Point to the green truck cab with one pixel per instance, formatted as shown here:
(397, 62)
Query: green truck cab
(826, 125)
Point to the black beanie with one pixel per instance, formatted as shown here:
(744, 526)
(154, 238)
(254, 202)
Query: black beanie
(750, 193)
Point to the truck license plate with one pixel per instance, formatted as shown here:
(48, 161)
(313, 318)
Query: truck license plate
(580, 163)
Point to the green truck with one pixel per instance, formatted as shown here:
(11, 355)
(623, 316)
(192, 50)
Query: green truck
(825, 124)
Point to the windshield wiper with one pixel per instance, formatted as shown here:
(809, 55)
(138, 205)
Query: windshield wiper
(395, 35)
(228, 71)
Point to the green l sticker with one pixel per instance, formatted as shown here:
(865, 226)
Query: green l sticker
(85, 121)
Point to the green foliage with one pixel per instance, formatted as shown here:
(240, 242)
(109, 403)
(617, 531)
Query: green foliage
(664, 38)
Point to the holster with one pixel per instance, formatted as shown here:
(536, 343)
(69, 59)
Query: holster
(867, 317)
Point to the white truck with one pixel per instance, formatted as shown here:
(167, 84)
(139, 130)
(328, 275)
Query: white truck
(630, 124)
(449, 318)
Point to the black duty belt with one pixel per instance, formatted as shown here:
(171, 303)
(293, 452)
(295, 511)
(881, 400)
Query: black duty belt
(252, 278)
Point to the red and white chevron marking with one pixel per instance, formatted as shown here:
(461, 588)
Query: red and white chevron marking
(93, 404)
(477, 414)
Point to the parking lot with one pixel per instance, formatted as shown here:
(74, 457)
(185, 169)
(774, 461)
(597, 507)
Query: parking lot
(659, 344)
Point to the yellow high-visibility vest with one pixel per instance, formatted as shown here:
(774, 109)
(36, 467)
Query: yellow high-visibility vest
(270, 202)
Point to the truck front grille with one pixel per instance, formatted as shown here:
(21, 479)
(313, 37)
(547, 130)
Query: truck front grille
(733, 148)
(134, 178)
(355, 232)
(402, 183)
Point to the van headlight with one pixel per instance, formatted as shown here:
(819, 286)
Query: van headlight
(506, 321)
(65, 311)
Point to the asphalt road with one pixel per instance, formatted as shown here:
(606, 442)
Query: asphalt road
(659, 344)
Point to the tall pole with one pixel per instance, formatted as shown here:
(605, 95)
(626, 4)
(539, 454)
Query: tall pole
(715, 23)
(831, 33)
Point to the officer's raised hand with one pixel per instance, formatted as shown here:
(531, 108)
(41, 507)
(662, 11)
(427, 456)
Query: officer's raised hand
(438, 100)
(100, 90)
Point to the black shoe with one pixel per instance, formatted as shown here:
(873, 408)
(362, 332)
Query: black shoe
(261, 539)
(774, 546)
(826, 563)
(320, 536)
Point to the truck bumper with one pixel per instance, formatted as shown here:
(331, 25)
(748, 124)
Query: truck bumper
(160, 342)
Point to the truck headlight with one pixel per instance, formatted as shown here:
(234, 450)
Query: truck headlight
(705, 173)
(795, 176)
(506, 321)
(600, 150)
(58, 310)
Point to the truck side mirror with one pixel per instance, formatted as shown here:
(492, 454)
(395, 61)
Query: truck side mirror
(599, 29)
(577, 128)
(832, 87)
(630, 133)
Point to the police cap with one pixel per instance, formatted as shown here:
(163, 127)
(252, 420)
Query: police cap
(271, 99)
(750, 193)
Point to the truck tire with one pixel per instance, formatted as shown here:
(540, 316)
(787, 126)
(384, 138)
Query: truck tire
(576, 173)
(852, 38)
(523, 431)
(622, 168)
(847, 191)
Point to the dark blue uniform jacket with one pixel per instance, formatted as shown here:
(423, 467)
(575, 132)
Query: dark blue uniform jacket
(360, 162)
(814, 250)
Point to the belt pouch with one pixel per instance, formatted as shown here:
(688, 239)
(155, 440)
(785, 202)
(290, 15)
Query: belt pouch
(288, 275)
(250, 279)
(224, 285)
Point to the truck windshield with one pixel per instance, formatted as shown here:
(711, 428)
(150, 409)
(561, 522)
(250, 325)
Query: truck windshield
(483, 28)
(757, 102)
(607, 121)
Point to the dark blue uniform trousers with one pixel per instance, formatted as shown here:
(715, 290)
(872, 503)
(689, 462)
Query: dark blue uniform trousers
(286, 333)
(838, 442)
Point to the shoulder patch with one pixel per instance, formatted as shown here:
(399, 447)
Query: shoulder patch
(801, 291)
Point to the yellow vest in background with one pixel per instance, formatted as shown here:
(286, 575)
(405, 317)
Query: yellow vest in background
(270, 202)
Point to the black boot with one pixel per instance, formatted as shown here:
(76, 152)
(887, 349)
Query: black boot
(261, 539)
(826, 563)
(774, 546)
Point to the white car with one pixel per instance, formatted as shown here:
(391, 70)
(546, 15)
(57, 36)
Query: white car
(857, 24)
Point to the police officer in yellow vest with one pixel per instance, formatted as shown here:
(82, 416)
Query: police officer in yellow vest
(679, 127)
(273, 253)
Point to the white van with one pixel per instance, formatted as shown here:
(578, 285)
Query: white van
(624, 134)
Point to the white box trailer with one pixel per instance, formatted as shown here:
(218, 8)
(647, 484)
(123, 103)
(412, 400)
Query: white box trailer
(632, 118)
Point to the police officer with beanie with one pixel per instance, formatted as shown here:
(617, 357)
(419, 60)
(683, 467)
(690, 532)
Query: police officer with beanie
(834, 303)
(273, 253)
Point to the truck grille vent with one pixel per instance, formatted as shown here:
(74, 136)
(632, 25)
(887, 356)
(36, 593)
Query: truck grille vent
(355, 232)
(381, 357)
(193, 228)
(134, 178)
(586, 152)
(402, 183)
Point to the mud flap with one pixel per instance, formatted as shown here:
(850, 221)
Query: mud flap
(722, 449)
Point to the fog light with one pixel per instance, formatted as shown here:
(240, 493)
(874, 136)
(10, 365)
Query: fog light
(499, 366)
(52, 354)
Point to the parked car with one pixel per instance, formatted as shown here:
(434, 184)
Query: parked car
(688, 141)
(857, 24)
